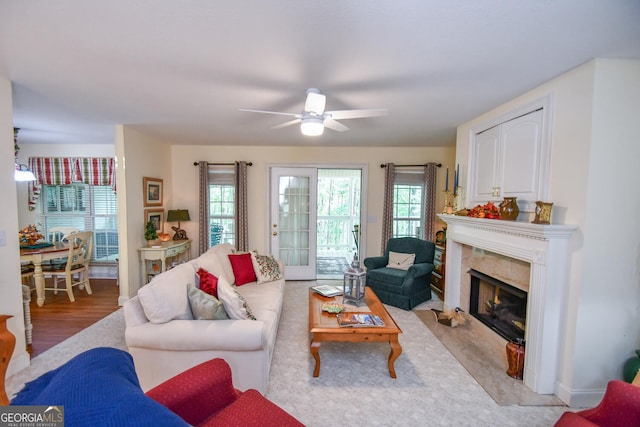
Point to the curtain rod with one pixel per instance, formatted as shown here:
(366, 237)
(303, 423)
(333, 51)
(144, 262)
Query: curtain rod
(220, 164)
(410, 166)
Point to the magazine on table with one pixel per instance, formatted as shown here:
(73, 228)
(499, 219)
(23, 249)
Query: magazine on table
(359, 319)
(327, 290)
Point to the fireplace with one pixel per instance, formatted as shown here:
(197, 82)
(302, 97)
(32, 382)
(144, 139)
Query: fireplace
(500, 306)
(546, 249)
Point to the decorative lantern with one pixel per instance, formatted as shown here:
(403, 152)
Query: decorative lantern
(354, 283)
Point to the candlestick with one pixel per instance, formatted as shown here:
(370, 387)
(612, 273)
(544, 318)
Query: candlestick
(446, 185)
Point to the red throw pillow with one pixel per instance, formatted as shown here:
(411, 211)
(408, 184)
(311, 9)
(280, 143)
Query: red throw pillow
(208, 282)
(242, 268)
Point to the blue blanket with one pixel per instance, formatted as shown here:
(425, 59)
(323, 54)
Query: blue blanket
(98, 388)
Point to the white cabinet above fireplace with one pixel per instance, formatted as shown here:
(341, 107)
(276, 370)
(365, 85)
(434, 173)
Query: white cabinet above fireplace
(509, 157)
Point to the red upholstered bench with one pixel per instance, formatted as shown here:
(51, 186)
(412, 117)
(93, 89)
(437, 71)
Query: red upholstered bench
(204, 396)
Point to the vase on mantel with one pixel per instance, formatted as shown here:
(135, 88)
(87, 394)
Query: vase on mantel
(509, 209)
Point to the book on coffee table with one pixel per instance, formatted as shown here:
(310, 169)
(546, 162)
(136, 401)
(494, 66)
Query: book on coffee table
(327, 290)
(359, 319)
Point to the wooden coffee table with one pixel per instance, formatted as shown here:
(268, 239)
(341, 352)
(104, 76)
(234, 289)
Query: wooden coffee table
(324, 327)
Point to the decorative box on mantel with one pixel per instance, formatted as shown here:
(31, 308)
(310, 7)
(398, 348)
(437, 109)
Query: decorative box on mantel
(546, 249)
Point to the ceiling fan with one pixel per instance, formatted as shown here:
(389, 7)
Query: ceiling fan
(314, 119)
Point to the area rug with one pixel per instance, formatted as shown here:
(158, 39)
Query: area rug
(354, 387)
(479, 358)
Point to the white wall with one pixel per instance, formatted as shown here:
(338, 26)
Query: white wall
(595, 107)
(186, 178)
(10, 282)
(137, 156)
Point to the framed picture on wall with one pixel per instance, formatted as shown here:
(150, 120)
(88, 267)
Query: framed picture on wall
(156, 216)
(152, 188)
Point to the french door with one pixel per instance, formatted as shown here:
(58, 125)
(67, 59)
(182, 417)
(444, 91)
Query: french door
(293, 220)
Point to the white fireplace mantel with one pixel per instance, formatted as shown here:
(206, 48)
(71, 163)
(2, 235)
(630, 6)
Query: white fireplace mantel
(545, 247)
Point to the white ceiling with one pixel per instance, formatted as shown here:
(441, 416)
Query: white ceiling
(181, 69)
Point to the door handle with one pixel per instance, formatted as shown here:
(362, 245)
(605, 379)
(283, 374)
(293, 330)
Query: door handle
(275, 233)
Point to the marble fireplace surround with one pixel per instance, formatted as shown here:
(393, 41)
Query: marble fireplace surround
(545, 248)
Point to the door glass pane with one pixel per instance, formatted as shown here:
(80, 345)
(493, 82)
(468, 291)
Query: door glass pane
(294, 219)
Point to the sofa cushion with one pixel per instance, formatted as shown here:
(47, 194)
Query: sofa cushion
(216, 261)
(234, 304)
(165, 297)
(266, 267)
(205, 306)
(208, 282)
(400, 261)
(242, 268)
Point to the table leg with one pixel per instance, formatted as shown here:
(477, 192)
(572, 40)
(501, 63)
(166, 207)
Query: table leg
(396, 350)
(315, 352)
(39, 279)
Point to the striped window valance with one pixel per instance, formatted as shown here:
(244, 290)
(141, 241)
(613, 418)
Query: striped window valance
(69, 170)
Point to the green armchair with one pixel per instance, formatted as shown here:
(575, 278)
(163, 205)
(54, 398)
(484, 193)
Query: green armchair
(400, 288)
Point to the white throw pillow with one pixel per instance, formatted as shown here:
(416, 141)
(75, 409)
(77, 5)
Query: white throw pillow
(165, 297)
(266, 267)
(400, 261)
(234, 304)
(216, 261)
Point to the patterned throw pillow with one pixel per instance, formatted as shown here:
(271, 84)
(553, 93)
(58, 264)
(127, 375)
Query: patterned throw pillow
(205, 306)
(400, 260)
(234, 303)
(242, 268)
(208, 282)
(266, 267)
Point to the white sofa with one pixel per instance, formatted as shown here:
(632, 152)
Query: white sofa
(172, 341)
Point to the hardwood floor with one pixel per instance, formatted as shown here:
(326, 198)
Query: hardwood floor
(59, 318)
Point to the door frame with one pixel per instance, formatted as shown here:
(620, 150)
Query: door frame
(364, 192)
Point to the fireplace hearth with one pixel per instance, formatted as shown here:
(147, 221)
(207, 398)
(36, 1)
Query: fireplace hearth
(500, 306)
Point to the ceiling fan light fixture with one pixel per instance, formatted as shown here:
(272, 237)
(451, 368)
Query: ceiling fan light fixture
(312, 127)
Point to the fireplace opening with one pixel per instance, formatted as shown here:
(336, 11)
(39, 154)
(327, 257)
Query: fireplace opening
(498, 305)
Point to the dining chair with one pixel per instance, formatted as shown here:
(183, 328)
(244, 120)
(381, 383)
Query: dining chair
(76, 269)
(60, 234)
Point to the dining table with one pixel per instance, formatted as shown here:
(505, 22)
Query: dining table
(37, 254)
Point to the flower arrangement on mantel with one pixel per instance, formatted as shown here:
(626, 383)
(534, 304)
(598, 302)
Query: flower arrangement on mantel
(29, 235)
(488, 210)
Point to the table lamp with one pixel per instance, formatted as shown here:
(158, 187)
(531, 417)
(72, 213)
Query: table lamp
(177, 216)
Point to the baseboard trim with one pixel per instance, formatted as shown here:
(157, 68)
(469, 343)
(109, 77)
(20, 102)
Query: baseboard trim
(579, 398)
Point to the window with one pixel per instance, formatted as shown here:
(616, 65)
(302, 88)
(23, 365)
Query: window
(85, 207)
(222, 205)
(338, 210)
(408, 204)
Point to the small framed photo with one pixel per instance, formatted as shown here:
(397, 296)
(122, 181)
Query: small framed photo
(157, 216)
(152, 188)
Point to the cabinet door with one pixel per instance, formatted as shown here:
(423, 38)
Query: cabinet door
(520, 156)
(485, 166)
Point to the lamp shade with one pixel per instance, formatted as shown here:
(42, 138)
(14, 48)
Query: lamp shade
(178, 215)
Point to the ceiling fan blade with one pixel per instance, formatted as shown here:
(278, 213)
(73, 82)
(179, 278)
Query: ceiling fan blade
(269, 112)
(289, 123)
(315, 101)
(356, 114)
(334, 125)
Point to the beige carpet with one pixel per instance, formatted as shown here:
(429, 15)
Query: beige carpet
(354, 387)
(479, 358)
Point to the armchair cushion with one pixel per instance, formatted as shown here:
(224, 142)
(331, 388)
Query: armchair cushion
(400, 261)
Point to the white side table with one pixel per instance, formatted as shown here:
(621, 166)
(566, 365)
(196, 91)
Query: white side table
(179, 250)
